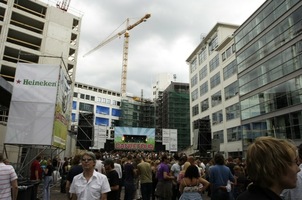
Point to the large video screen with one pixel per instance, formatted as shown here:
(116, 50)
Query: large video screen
(134, 138)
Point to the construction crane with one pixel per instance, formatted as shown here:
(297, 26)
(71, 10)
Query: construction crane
(124, 32)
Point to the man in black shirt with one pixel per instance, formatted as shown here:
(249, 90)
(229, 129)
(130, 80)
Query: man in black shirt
(75, 170)
(113, 179)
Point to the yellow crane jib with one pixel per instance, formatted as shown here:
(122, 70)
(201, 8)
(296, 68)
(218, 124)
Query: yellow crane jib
(124, 32)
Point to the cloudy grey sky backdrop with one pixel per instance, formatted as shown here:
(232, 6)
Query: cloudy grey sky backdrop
(160, 45)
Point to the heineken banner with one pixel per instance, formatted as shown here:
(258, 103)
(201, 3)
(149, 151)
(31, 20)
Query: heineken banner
(33, 115)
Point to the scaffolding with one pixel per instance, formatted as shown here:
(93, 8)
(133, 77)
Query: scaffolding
(174, 112)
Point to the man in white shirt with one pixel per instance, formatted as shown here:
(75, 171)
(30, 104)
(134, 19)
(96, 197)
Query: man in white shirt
(90, 184)
(8, 181)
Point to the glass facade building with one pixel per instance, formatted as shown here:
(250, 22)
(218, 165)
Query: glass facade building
(269, 62)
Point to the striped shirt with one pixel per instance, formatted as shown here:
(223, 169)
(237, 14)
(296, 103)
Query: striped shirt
(7, 174)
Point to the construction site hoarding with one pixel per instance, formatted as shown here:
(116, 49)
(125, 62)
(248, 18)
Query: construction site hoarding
(134, 138)
(40, 106)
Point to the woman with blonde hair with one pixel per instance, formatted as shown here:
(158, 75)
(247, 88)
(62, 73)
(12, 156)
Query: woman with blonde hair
(272, 167)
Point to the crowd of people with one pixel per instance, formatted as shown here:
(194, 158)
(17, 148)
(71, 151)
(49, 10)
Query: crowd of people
(271, 171)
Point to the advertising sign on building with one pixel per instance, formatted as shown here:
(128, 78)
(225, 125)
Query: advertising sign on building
(62, 112)
(40, 105)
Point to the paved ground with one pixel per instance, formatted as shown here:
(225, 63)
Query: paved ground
(57, 195)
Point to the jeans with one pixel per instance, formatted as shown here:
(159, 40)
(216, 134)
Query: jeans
(46, 187)
(146, 190)
(129, 190)
(220, 195)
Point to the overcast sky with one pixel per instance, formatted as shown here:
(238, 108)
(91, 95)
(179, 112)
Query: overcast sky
(160, 45)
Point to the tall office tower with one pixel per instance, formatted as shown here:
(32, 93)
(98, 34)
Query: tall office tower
(269, 47)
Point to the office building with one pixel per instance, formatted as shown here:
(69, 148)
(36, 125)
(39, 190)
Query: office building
(214, 108)
(269, 59)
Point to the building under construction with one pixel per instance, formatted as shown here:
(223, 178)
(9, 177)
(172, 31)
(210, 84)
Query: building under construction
(137, 112)
(34, 32)
(173, 112)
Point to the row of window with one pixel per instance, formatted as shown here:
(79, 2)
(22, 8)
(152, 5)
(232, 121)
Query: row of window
(228, 71)
(229, 92)
(284, 126)
(281, 96)
(96, 109)
(232, 112)
(97, 99)
(99, 121)
(264, 19)
(286, 30)
(283, 64)
(202, 56)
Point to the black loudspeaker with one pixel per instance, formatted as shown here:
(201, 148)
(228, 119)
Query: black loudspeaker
(85, 131)
(204, 135)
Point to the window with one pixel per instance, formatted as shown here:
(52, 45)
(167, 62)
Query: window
(232, 112)
(193, 66)
(194, 94)
(204, 88)
(92, 98)
(218, 135)
(228, 52)
(102, 110)
(82, 96)
(234, 134)
(214, 63)
(103, 100)
(86, 107)
(223, 56)
(194, 80)
(75, 94)
(73, 117)
(101, 121)
(231, 90)
(217, 117)
(108, 101)
(87, 97)
(215, 80)
(230, 70)
(216, 99)
(204, 105)
(195, 110)
(74, 105)
(213, 44)
(202, 56)
(113, 102)
(116, 112)
(203, 72)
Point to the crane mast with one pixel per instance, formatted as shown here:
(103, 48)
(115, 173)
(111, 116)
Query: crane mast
(124, 32)
(125, 62)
